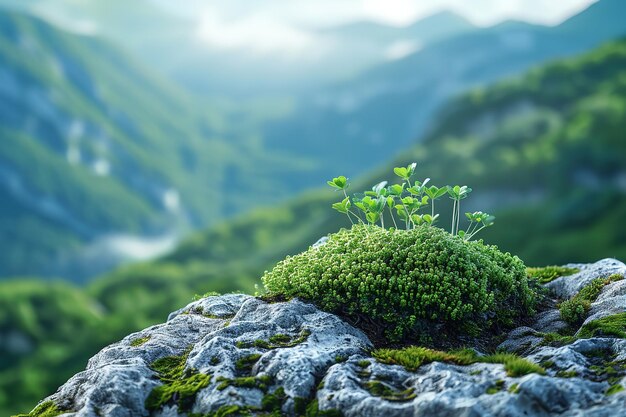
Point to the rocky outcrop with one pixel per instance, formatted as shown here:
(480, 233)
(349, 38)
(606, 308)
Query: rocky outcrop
(238, 355)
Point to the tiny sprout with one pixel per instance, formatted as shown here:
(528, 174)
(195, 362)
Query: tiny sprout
(340, 183)
(476, 219)
(405, 173)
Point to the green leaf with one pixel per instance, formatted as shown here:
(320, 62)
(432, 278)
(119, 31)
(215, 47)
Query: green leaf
(411, 168)
(340, 208)
(441, 192)
(379, 187)
(396, 189)
(339, 182)
(390, 202)
(372, 217)
(401, 172)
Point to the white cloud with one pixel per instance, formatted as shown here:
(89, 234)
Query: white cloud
(286, 25)
(257, 32)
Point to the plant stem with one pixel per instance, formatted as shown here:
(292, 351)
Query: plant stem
(392, 218)
(357, 216)
(453, 216)
(458, 215)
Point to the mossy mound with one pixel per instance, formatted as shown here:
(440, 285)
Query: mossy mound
(416, 284)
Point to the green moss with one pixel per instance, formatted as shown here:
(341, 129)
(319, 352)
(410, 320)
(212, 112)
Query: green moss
(567, 374)
(575, 310)
(407, 281)
(340, 358)
(170, 368)
(276, 341)
(555, 339)
(179, 385)
(259, 382)
(313, 410)
(382, 390)
(230, 411)
(514, 388)
(139, 341)
(550, 273)
(274, 401)
(613, 389)
(279, 338)
(514, 365)
(45, 409)
(183, 391)
(197, 297)
(610, 326)
(364, 363)
(247, 362)
(499, 386)
(413, 357)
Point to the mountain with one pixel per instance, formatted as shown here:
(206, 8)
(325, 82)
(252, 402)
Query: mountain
(543, 152)
(93, 145)
(429, 29)
(376, 115)
(185, 48)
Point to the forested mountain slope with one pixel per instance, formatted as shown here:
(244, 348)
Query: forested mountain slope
(93, 143)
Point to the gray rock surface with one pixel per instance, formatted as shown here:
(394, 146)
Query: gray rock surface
(310, 354)
(566, 287)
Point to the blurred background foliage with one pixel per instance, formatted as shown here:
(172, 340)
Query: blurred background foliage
(141, 167)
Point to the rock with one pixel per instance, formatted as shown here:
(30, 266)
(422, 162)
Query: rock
(566, 287)
(240, 354)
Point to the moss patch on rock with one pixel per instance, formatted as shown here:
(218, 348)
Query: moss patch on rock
(575, 310)
(180, 385)
(547, 274)
(139, 341)
(276, 341)
(384, 391)
(45, 409)
(414, 284)
(413, 357)
(610, 326)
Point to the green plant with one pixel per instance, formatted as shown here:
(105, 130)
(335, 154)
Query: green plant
(407, 199)
(45, 409)
(614, 325)
(550, 273)
(574, 311)
(139, 341)
(413, 357)
(179, 384)
(412, 283)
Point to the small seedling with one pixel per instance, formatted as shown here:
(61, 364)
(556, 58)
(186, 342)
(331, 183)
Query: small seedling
(407, 199)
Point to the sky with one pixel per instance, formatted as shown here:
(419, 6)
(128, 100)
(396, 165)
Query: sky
(397, 12)
(286, 24)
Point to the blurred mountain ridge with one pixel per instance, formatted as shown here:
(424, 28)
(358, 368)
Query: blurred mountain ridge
(383, 110)
(94, 144)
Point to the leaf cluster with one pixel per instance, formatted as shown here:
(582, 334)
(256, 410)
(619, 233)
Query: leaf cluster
(405, 201)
